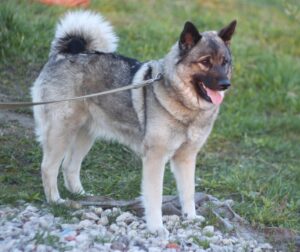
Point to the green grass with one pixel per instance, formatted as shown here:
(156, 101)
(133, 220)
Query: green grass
(205, 244)
(253, 153)
(44, 238)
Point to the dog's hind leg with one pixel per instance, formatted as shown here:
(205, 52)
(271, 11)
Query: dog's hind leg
(54, 148)
(73, 159)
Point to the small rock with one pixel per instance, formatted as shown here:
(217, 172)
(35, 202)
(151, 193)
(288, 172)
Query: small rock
(125, 217)
(117, 246)
(134, 225)
(98, 211)
(200, 218)
(114, 227)
(41, 248)
(82, 238)
(46, 221)
(70, 238)
(227, 241)
(214, 239)
(68, 235)
(173, 246)
(31, 209)
(217, 248)
(107, 212)
(29, 247)
(103, 221)
(208, 230)
(71, 243)
(154, 249)
(78, 213)
(116, 210)
(265, 246)
(132, 233)
(8, 245)
(90, 216)
(85, 224)
(140, 245)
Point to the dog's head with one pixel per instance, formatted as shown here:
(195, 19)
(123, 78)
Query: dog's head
(203, 62)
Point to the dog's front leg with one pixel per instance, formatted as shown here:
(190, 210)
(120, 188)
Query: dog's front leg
(152, 188)
(183, 166)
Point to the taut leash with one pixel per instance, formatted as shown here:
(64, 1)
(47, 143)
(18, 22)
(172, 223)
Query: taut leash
(15, 105)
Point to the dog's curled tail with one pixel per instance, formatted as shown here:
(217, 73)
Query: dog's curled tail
(81, 31)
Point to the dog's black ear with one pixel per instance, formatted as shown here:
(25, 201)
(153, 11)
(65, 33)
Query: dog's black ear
(227, 32)
(189, 37)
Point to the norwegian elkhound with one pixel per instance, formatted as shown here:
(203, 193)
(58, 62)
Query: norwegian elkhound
(168, 120)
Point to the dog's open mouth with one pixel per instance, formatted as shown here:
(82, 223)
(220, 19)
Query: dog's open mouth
(213, 96)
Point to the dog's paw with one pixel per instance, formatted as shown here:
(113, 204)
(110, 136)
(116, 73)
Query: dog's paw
(73, 204)
(84, 193)
(58, 201)
(194, 217)
(160, 231)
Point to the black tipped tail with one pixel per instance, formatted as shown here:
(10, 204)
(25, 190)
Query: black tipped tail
(82, 31)
(72, 44)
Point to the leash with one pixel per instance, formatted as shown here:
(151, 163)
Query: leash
(15, 105)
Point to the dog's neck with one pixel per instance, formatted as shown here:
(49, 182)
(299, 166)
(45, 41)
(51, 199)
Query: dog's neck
(178, 106)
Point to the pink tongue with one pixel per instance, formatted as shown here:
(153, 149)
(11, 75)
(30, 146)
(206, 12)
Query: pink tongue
(215, 96)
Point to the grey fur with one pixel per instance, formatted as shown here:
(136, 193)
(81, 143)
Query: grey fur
(166, 121)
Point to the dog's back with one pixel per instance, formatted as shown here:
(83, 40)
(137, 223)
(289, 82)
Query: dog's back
(82, 61)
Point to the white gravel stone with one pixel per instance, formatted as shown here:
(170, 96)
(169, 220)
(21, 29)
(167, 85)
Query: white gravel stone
(82, 237)
(7, 245)
(85, 223)
(116, 210)
(214, 239)
(124, 217)
(90, 216)
(114, 227)
(103, 221)
(98, 211)
(200, 218)
(217, 248)
(265, 246)
(227, 241)
(133, 225)
(154, 249)
(208, 230)
(31, 209)
(29, 247)
(22, 227)
(41, 248)
(132, 233)
(107, 212)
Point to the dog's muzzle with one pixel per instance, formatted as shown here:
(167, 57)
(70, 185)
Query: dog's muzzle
(223, 84)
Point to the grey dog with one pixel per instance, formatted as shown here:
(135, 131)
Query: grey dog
(167, 121)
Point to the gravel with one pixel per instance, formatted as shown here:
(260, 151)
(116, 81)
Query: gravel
(28, 228)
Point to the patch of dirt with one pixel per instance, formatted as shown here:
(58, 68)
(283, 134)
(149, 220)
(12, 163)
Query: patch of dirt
(24, 120)
(16, 81)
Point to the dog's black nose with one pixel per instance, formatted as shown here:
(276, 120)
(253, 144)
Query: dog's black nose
(224, 84)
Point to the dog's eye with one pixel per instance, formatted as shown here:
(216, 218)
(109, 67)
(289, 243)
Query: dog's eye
(225, 61)
(205, 62)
